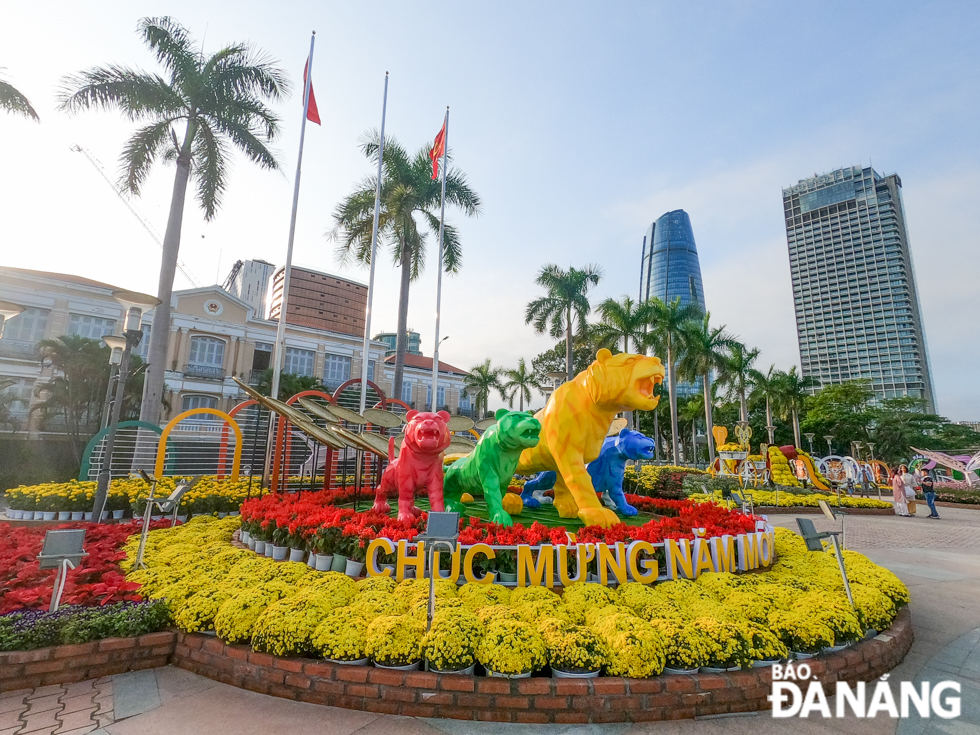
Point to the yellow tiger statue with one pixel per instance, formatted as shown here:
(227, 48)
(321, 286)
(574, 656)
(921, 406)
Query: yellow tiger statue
(576, 420)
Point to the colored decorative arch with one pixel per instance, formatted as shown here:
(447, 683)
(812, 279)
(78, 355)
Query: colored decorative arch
(162, 446)
(223, 447)
(94, 442)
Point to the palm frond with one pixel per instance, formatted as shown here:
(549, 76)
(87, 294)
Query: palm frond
(12, 100)
(210, 154)
(140, 152)
(172, 45)
(137, 95)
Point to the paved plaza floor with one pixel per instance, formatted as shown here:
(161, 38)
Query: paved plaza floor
(938, 560)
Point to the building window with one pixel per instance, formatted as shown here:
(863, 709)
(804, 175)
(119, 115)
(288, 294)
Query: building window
(143, 349)
(206, 358)
(336, 371)
(299, 362)
(28, 326)
(406, 391)
(207, 351)
(440, 396)
(93, 327)
(200, 401)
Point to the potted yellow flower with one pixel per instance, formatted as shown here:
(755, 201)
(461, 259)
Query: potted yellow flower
(395, 642)
(450, 645)
(574, 651)
(342, 637)
(511, 649)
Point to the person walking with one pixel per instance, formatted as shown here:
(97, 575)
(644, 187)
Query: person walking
(929, 490)
(898, 494)
(908, 479)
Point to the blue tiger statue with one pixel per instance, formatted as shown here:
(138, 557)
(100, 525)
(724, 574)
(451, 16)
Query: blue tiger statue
(534, 489)
(607, 469)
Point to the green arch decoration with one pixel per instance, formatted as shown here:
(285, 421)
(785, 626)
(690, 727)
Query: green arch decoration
(94, 442)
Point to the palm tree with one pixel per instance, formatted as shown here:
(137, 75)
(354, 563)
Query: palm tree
(484, 378)
(793, 389)
(705, 350)
(567, 296)
(766, 387)
(289, 384)
(738, 371)
(667, 324)
(519, 383)
(12, 100)
(622, 320)
(690, 411)
(407, 190)
(202, 108)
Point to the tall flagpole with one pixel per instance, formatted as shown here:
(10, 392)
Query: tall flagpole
(442, 219)
(374, 253)
(277, 352)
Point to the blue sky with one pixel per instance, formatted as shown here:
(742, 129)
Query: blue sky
(578, 123)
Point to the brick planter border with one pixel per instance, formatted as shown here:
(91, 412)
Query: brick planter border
(535, 700)
(66, 664)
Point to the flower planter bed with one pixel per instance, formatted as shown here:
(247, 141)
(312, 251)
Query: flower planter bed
(535, 700)
(66, 664)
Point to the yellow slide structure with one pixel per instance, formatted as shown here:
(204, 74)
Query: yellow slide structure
(812, 472)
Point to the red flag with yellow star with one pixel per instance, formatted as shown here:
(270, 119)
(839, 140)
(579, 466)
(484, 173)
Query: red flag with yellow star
(438, 149)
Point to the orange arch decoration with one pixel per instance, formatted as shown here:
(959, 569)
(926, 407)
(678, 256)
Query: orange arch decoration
(223, 447)
(162, 446)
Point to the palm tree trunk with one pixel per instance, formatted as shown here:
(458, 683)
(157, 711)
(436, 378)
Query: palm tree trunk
(153, 382)
(401, 340)
(673, 403)
(796, 428)
(656, 435)
(744, 405)
(630, 416)
(694, 441)
(520, 399)
(708, 419)
(568, 345)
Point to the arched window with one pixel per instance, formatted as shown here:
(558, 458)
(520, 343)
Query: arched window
(206, 358)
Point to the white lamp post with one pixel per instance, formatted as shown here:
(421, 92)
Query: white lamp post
(133, 304)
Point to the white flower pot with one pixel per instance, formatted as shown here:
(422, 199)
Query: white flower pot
(222, 514)
(37, 515)
(497, 675)
(87, 515)
(559, 674)
(13, 515)
(182, 519)
(406, 667)
(835, 649)
(243, 537)
(260, 548)
(117, 514)
(49, 515)
(297, 554)
(77, 515)
(323, 562)
(468, 671)
(279, 553)
(355, 662)
(234, 513)
(251, 544)
(688, 672)
(311, 560)
(764, 664)
(156, 518)
(269, 549)
(354, 568)
(64, 515)
(802, 656)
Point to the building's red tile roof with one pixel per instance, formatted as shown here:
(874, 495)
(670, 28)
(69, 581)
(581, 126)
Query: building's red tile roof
(425, 363)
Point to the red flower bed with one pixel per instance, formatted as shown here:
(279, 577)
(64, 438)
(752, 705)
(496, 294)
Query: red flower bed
(298, 519)
(97, 580)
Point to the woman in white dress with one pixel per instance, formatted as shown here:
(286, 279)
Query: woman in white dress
(898, 494)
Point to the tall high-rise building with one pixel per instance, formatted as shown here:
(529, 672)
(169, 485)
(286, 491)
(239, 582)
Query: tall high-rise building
(249, 281)
(670, 267)
(857, 308)
(414, 346)
(320, 300)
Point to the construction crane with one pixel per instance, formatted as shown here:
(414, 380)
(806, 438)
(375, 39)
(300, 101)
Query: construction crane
(142, 220)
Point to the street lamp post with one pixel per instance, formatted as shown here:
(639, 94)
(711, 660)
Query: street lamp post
(809, 438)
(829, 439)
(115, 360)
(134, 304)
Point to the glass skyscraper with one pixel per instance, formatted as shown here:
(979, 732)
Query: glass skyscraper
(670, 268)
(857, 308)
